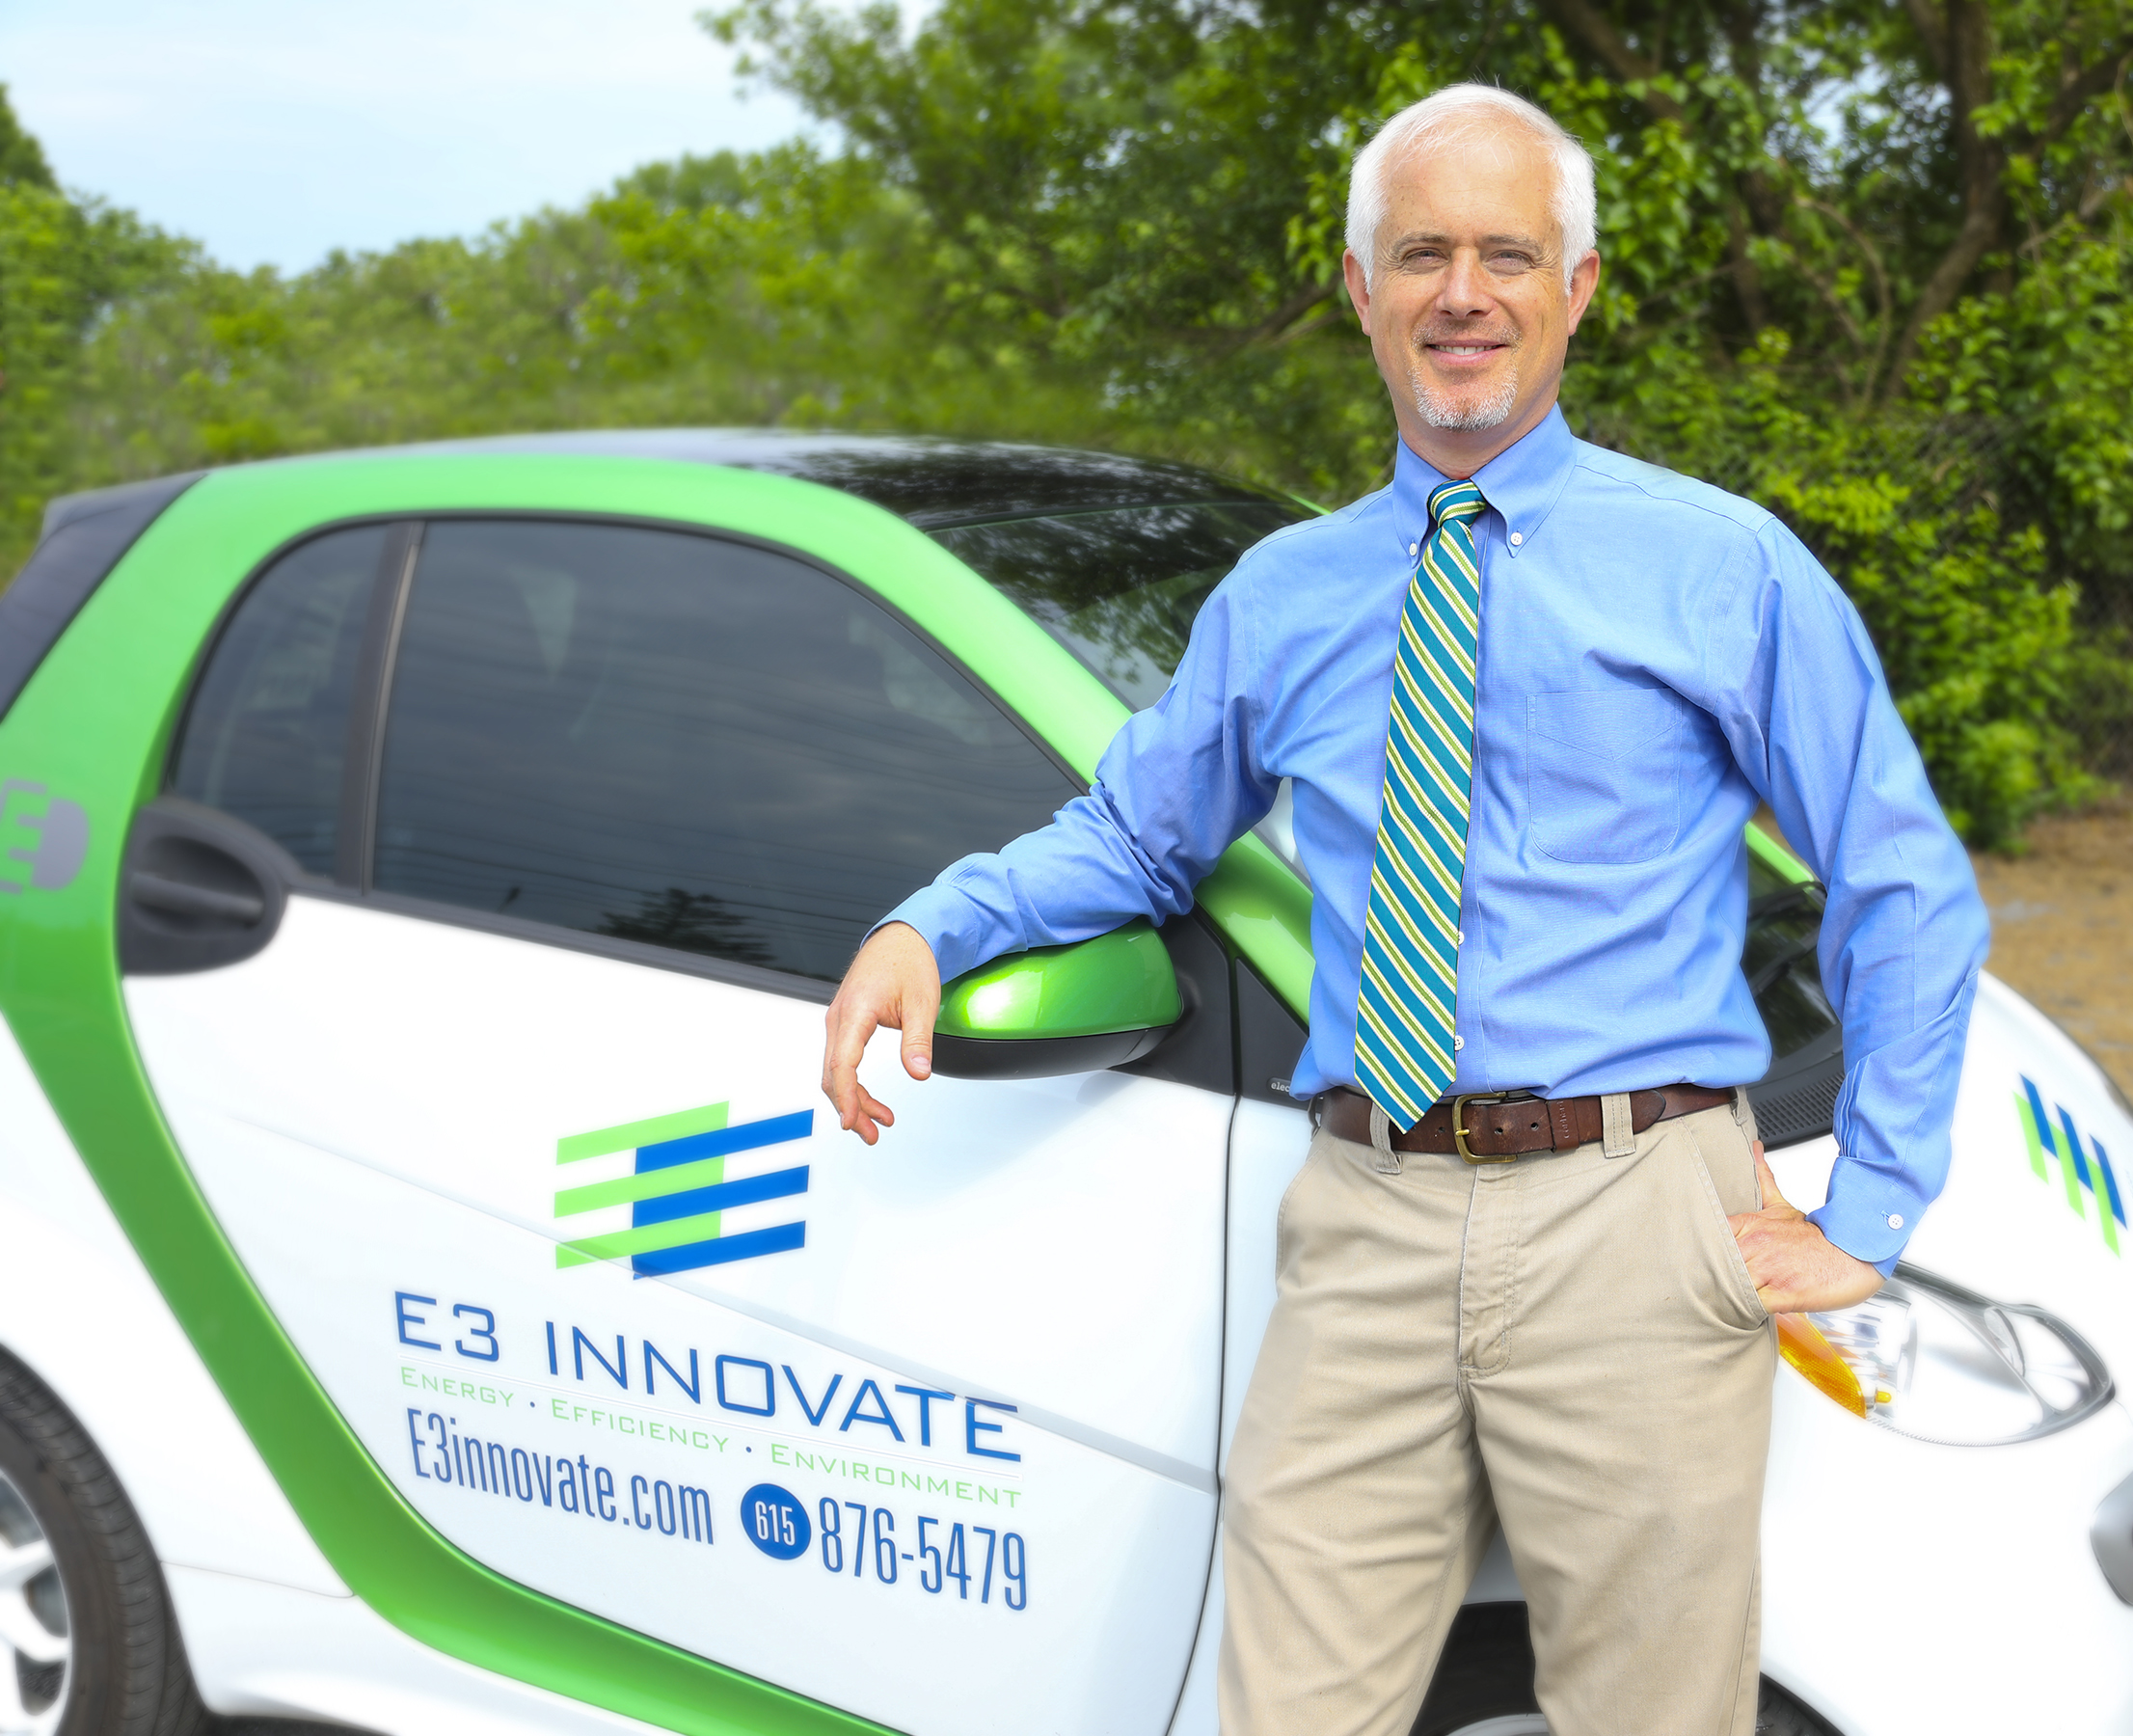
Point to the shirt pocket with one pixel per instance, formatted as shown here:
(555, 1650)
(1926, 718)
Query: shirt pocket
(1604, 773)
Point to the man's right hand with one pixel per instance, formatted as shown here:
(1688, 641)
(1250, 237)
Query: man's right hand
(894, 981)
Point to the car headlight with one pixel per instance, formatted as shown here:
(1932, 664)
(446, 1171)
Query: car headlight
(1940, 1363)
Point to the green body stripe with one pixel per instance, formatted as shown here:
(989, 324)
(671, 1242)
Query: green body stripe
(654, 1184)
(633, 1134)
(1264, 909)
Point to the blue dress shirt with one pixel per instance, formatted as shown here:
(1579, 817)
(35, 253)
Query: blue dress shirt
(1657, 658)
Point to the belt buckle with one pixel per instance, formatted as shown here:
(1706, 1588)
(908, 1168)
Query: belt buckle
(1459, 1131)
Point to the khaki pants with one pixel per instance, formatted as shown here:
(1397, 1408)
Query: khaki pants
(1569, 1343)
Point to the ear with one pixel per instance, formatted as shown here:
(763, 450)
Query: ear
(1359, 287)
(1584, 278)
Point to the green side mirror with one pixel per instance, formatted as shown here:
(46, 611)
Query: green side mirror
(1059, 1009)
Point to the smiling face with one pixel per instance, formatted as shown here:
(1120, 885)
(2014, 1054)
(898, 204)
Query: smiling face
(1468, 315)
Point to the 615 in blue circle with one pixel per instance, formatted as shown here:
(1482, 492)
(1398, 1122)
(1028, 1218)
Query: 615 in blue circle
(775, 1522)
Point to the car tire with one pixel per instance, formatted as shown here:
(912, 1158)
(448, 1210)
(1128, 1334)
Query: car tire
(88, 1598)
(1484, 1684)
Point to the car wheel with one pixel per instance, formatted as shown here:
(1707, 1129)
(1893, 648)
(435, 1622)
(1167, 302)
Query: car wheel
(1484, 1684)
(88, 1645)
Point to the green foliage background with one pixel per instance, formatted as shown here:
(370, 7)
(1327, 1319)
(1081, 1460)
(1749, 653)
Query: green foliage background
(1867, 261)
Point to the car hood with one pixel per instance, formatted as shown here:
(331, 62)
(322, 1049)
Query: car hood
(2012, 1224)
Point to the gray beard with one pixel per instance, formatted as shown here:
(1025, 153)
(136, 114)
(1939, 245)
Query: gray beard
(1442, 410)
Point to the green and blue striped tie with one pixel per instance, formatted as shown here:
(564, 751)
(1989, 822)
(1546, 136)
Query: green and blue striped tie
(1410, 934)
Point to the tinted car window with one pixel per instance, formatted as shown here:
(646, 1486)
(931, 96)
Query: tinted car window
(1118, 589)
(671, 739)
(268, 729)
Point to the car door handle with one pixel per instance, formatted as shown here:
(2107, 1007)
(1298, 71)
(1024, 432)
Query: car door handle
(201, 889)
(182, 898)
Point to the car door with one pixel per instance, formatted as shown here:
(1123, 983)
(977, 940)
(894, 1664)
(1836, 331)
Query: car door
(516, 1122)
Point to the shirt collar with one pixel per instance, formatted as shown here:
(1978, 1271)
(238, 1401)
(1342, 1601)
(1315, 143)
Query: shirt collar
(1521, 485)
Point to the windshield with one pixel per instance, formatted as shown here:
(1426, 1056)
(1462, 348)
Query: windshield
(1118, 589)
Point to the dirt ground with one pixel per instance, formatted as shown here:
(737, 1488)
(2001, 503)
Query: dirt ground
(2063, 927)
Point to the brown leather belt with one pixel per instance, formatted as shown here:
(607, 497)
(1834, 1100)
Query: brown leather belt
(1496, 1126)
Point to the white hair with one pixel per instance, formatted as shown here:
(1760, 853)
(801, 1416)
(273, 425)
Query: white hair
(1454, 113)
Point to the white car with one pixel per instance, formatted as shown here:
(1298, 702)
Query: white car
(433, 1297)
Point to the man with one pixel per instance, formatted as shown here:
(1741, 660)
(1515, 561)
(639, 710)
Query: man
(1529, 695)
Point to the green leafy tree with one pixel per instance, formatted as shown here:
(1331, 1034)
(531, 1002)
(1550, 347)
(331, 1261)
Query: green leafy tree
(21, 157)
(63, 267)
(1867, 262)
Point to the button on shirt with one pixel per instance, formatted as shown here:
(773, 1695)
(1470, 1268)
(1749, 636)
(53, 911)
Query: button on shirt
(1657, 658)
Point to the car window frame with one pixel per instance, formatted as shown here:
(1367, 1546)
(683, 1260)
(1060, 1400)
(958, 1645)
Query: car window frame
(370, 703)
(360, 686)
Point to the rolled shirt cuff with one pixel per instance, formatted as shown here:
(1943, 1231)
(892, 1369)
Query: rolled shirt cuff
(948, 921)
(1873, 1230)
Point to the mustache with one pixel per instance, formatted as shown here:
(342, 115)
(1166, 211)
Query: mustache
(1429, 335)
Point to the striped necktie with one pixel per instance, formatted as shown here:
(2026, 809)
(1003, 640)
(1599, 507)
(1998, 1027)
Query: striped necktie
(1411, 931)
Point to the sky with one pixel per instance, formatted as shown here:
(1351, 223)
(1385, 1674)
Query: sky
(275, 130)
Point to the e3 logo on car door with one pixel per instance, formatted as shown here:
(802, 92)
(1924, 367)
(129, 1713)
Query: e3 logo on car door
(46, 833)
(667, 1205)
